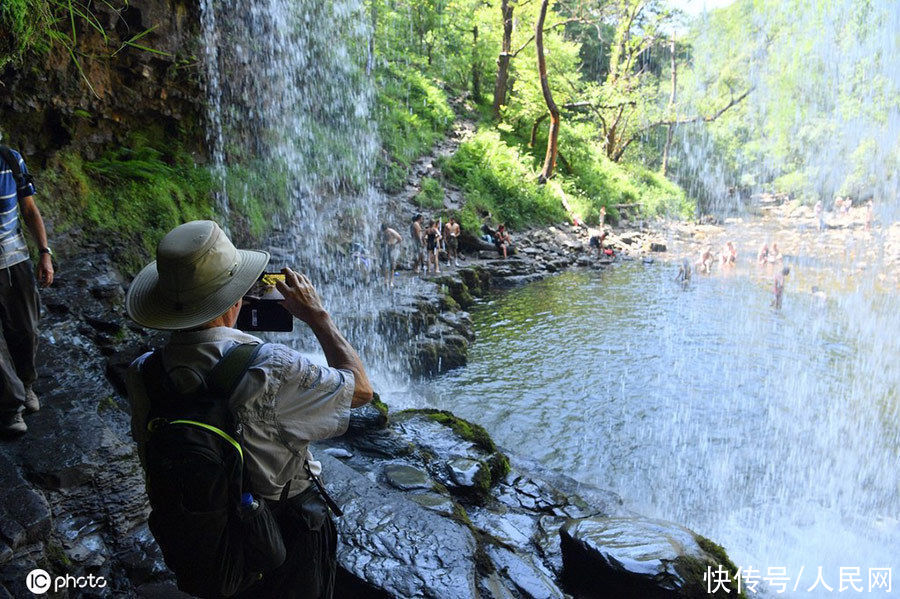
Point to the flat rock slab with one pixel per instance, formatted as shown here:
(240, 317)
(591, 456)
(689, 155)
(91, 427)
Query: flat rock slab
(407, 478)
(634, 557)
(396, 547)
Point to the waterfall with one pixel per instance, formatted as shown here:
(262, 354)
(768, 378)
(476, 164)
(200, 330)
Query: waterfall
(823, 115)
(289, 104)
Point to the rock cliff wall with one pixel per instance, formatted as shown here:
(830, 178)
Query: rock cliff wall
(110, 89)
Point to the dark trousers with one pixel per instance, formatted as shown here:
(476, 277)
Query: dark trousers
(19, 310)
(310, 538)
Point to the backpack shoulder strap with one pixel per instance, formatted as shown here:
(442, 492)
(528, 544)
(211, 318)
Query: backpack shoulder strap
(228, 372)
(10, 159)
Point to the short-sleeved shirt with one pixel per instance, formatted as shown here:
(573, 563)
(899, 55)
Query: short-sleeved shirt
(283, 403)
(12, 243)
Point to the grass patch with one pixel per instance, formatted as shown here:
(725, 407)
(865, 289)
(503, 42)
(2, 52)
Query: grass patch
(499, 184)
(130, 197)
(431, 194)
(412, 114)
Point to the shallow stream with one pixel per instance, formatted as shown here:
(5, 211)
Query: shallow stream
(776, 433)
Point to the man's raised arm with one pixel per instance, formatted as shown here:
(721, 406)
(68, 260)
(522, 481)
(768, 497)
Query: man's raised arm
(302, 300)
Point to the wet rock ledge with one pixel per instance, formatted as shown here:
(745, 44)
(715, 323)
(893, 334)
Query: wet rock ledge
(433, 508)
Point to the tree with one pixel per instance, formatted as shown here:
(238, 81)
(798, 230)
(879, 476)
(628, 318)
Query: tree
(553, 136)
(670, 129)
(502, 80)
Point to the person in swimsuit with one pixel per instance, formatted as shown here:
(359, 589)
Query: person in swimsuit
(763, 255)
(779, 286)
(684, 273)
(432, 243)
(390, 252)
(451, 240)
(704, 264)
(728, 257)
(417, 239)
(774, 255)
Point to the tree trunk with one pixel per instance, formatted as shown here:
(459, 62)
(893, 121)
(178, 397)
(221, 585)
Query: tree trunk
(553, 136)
(501, 83)
(534, 130)
(476, 74)
(670, 130)
(370, 59)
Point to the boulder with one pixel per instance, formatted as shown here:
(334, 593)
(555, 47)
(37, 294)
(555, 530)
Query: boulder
(394, 547)
(639, 558)
(657, 247)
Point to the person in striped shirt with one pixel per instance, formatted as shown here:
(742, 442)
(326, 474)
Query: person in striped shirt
(19, 301)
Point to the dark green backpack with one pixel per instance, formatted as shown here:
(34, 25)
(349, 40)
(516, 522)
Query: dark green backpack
(195, 481)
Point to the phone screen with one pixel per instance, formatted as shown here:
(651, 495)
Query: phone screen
(262, 309)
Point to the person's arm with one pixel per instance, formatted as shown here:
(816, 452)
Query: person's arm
(35, 224)
(301, 300)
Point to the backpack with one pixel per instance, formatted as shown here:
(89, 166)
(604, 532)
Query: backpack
(24, 181)
(215, 544)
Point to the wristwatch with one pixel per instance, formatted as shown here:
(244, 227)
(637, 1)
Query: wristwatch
(47, 251)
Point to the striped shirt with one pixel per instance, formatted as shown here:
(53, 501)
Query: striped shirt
(12, 243)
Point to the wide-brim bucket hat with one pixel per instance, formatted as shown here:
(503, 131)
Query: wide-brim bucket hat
(198, 274)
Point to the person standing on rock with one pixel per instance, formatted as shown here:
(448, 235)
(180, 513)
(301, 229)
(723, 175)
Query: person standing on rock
(278, 404)
(432, 246)
(19, 300)
(417, 239)
(451, 237)
(390, 252)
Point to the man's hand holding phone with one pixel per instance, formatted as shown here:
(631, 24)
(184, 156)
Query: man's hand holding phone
(300, 297)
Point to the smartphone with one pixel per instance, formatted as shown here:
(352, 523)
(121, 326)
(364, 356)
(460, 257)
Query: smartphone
(262, 309)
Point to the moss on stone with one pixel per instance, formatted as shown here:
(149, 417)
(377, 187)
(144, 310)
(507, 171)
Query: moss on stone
(717, 552)
(693, 569)
(107, 403)
(467, 430)
(448, 303)
(461, 516)
(500, 467)
(57, 556)
(380, 405)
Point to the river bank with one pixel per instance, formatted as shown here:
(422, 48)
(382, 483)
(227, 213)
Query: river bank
(430, 499)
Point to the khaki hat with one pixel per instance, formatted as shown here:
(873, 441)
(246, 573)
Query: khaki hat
(198, 274)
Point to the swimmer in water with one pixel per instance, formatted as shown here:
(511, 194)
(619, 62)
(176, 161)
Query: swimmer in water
(684, 272)
(728, 257)
(704, 264)
(819, 294)
(779, 286)
(774, 255)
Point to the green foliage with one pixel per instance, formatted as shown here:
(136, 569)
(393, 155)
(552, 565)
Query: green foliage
(132, 196)
(412, 114)
(431, 194)
(24, 25)
(499, 183)
(823, 94)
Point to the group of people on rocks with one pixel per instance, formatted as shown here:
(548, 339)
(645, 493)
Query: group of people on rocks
(430, 241)
(727, 259)
(842, 206)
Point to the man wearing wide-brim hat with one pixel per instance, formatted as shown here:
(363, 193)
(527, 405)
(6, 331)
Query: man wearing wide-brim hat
(283, 401)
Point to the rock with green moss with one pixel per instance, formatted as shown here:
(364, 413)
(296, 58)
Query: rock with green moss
(641, 558)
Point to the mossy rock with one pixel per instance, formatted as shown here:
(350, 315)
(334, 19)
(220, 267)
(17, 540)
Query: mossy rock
(458, 290)
(380, 406)
(641, 558)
